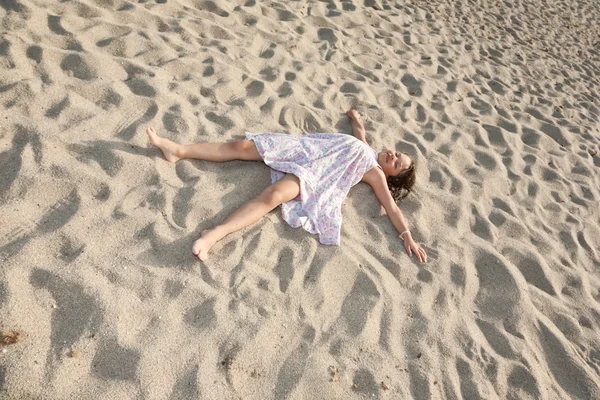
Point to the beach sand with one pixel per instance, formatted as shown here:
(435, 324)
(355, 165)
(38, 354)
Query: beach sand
(499, 103)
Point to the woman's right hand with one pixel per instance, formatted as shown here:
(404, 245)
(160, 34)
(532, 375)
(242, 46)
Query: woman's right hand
(353, 114)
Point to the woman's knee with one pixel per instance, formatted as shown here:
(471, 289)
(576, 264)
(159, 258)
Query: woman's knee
(285, 190)
(245, 150)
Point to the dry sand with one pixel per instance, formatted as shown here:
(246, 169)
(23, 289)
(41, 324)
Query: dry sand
(498, 101)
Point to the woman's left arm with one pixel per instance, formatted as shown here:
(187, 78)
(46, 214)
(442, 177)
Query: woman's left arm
(376, 179)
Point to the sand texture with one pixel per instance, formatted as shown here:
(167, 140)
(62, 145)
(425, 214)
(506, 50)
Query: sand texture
(101, 297)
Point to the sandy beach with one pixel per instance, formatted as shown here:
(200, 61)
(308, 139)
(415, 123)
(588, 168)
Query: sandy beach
(102, 298)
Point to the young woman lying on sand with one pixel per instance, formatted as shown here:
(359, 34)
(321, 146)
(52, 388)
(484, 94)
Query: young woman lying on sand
(311, 176)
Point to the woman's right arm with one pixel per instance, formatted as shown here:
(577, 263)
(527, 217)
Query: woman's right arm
(358, 130)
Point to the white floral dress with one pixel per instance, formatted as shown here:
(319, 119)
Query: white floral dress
(327, 164)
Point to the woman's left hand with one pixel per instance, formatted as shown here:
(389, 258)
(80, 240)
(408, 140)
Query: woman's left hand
(413, 247)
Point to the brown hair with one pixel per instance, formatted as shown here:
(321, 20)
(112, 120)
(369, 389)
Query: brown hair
(401, 185)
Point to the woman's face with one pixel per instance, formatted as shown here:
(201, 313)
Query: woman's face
(393, 163)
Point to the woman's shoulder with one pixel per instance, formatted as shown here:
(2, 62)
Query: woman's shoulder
(373, 176)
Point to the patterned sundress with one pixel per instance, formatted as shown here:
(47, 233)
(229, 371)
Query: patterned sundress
(327, 164)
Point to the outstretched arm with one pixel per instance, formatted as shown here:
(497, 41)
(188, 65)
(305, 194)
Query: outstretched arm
(358, 130)
(376, 179)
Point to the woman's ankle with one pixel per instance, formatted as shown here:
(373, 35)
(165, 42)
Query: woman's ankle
(179, 151)
(217, 233)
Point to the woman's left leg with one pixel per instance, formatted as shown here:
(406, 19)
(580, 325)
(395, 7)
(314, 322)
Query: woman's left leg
(284, 190)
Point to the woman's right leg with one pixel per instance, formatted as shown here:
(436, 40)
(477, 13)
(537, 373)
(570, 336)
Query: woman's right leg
(218, 152)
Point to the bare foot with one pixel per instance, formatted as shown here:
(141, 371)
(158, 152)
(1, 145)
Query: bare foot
(168, 148)
(201, 246)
